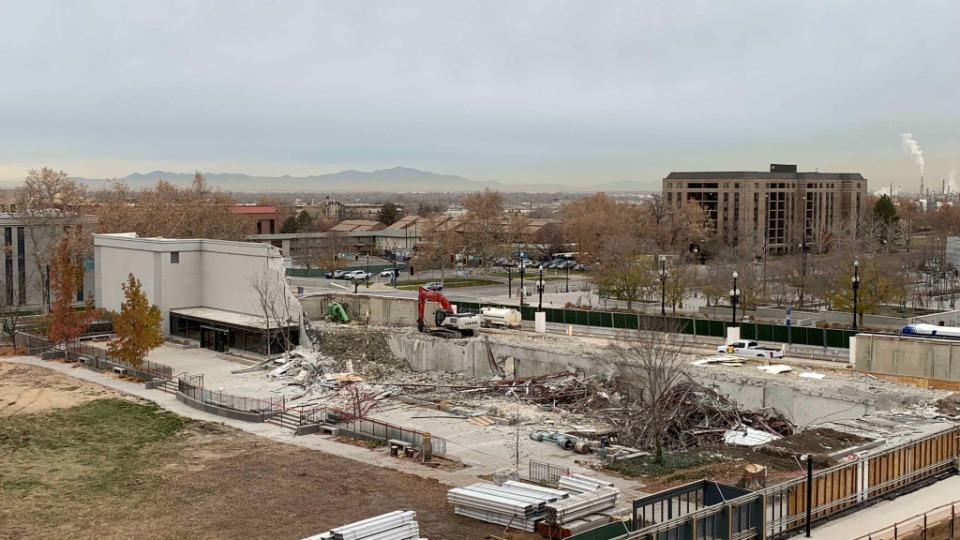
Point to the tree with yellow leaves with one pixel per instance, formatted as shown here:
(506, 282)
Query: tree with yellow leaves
(137, 325)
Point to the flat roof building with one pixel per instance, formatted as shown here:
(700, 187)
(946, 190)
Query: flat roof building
(782, 209)
(225, 295)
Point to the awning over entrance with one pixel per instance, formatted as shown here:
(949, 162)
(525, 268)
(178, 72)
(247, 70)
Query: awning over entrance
(221, 330)
(229, 318)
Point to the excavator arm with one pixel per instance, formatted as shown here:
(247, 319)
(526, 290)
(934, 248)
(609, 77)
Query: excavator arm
(426, 295)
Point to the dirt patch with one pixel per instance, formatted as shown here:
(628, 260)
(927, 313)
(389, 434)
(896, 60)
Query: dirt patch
(129, 470)
(30, 389)
(819, 441)
(726, 464)
(949, 405)
(365, 348)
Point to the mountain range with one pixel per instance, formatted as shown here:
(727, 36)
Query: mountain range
(396, 179)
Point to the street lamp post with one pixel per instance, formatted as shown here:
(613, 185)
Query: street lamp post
(540, 289)
(663, 286)
(855, 284)
(734, 297)
(521, 283)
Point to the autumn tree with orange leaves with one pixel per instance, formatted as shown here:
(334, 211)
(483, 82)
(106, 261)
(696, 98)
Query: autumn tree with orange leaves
(137, 325)
(66, 275)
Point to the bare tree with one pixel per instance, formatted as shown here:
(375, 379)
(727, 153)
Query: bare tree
(647, 365)
(273, 303)
(679, 283)
(48, 203)
(14, 308)
(622, 274)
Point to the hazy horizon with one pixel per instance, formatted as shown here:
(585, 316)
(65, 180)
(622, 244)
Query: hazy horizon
(525, 93)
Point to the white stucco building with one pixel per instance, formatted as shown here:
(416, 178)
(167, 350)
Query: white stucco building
(204, 288)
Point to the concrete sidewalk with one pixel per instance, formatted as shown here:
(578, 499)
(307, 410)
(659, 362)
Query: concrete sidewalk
(886, 513)
(459, 478)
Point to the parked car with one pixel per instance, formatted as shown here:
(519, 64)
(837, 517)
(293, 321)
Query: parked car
(433, 286)
(579, 268)
(336, 274)
(357, 275)
(387, 273)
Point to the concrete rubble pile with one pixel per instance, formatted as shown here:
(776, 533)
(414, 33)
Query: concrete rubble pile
(397, 525)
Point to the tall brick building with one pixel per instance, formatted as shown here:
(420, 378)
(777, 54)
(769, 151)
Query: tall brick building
(782, 208)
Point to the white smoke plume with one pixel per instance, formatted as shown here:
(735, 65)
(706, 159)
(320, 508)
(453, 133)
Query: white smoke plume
(913, 147)
(952, 182)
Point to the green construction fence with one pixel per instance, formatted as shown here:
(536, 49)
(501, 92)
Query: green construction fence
(775, 333)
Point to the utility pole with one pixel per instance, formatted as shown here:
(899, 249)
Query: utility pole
(540, 289)
(663, 286)
(855, 283)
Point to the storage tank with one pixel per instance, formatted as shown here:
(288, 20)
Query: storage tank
(501, 317)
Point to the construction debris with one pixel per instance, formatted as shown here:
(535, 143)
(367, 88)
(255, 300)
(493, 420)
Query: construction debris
(697, 416)
(776, 369)
(747, 436)
(397, 525)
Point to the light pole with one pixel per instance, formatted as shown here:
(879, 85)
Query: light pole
(663, 286)
(521, 283)
(855, 284)
(540, 289)
(734, 297)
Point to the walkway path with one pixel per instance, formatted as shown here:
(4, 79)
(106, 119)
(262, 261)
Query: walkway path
(168, 401)
(887, 513)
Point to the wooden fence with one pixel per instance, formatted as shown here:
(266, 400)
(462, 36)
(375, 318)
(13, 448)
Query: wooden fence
(780, 511)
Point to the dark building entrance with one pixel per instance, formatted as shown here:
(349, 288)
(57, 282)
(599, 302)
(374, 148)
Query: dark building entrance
(215, 339)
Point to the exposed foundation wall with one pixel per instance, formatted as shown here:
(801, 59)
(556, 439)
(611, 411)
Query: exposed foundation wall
(802, 407)
(469, 357)
(908, 357)
(378, 310)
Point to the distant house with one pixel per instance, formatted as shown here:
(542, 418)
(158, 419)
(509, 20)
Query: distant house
(357, 226)
(264, 217)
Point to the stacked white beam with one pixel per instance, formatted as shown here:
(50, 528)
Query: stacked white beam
(577, 483)
(513, 504)
(397, 525)
(584, 504)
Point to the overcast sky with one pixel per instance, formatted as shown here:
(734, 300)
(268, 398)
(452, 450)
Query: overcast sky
(519, 92)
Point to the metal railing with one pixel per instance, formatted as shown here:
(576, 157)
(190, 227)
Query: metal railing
(547, 473)
(941, 522)
(780, 511)
(387, 431)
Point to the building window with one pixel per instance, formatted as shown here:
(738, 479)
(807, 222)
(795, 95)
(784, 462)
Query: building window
(174, 257)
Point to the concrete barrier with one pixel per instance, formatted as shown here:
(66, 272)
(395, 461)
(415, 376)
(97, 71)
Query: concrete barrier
(930, 362)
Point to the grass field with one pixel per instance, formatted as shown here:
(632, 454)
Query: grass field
(111, 469)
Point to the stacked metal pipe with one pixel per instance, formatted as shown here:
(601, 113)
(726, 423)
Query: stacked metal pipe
(397, 525)
(578, 483)
(513, 504)
(581, 505)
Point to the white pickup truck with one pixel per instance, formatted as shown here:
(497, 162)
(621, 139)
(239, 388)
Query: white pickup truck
(745, 347)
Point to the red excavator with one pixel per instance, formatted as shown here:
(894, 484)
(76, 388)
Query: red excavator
(448, 323)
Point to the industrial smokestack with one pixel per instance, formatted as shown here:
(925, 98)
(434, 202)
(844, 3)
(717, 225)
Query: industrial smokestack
(913, 148)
